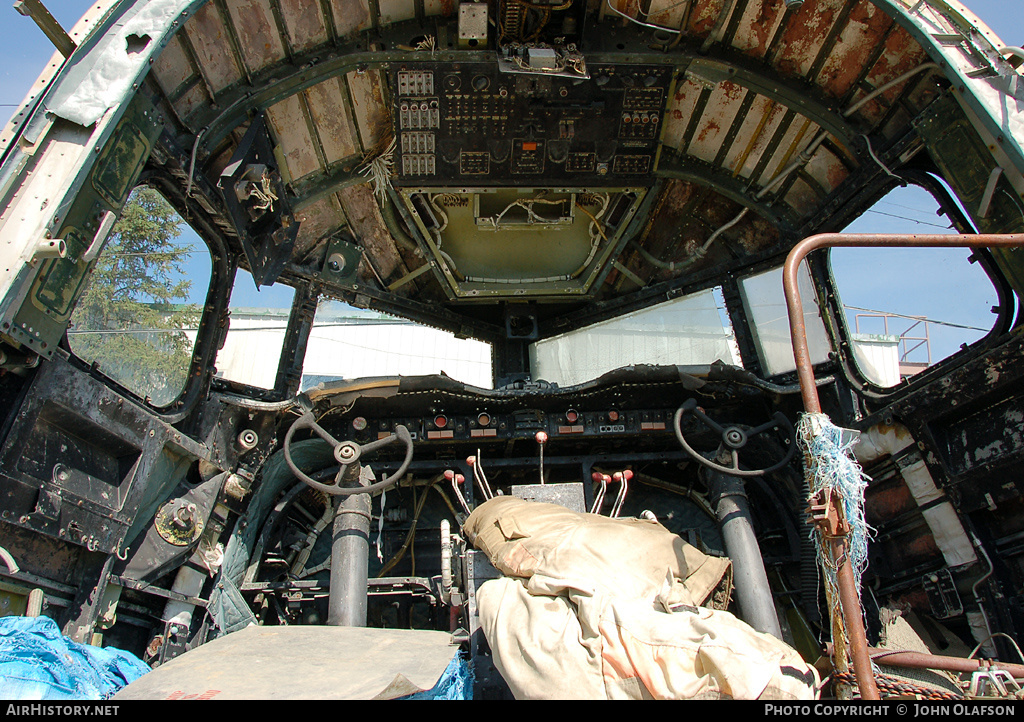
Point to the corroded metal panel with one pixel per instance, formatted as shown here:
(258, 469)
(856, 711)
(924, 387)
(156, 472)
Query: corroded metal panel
(304, 23)
(316, 221)
(333, 126)
(714, 124)
(366, 89)
(351, 16)
(208, 37)
(365, 220)
(806, 34)
(292, 134)
(194, 98)
(755, 134)
(257, 32)
(667, 13)
(864, 30)
(445, 8)
(172, 67)
(900, 55)
(679, 112)
(757, 27)
(796, 138)
(704, 16)
(394, 11)
(802, 198)
(827, 169)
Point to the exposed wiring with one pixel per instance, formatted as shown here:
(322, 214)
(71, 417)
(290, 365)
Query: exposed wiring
(871, 152)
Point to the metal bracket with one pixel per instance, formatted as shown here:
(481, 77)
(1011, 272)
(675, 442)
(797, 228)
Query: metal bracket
(255, 197)
(825, 511)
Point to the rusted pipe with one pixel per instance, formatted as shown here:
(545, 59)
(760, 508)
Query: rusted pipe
(849, 598)
(920, 660)
(804, 368)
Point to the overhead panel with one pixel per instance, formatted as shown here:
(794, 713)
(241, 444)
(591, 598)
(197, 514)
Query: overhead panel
(478, 125)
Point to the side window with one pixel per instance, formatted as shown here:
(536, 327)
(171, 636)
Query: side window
(765, 303)
(138, 317)
(255, 338)
(909, 308)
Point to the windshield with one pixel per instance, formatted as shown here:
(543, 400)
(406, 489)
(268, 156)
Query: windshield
(694, 329)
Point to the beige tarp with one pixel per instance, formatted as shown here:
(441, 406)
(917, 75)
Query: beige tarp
(583, 612)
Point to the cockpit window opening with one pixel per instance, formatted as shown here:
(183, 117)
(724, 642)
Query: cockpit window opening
(138, 319)
(256, 332)
(907, 309)
(691, 330)
(765, 304)
(348, 342)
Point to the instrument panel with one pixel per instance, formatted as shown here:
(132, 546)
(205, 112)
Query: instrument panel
(480, 124)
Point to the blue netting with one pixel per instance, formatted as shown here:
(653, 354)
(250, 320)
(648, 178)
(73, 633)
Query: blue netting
(456, 683)
(829, 464)
(38, 663)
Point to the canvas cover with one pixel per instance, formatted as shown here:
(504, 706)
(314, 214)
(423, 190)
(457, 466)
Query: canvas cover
(599, 608)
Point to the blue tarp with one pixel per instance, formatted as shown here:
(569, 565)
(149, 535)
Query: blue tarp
(456, 683)
(38, 663)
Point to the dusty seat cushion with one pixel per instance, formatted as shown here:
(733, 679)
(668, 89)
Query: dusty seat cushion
(632, 558)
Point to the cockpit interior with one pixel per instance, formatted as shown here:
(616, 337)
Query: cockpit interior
(592, 203)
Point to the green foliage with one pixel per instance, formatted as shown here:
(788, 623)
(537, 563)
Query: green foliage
(128, 319)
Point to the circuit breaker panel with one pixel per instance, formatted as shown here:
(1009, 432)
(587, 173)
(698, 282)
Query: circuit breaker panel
(480, 125)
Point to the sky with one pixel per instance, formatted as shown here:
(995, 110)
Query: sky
(938, 284)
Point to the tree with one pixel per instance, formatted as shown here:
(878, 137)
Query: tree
(130, 319)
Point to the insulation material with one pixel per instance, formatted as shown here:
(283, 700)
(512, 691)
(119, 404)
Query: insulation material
(942, 520)
(121, 56)
(685, 331)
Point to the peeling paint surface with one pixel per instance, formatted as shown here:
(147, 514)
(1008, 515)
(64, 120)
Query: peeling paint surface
(372, 116)
(172, 68)
(704, 16)
(317, 220)
(395, 11)
(209, 39)
(350, 16)
(679, 111)
(257, 33)
(304, 24)
(714, 125)
(757, 26)
(331, 118)
(806, 34)
(289, 127)
(667, 13)
(863, 32)
(364, 217)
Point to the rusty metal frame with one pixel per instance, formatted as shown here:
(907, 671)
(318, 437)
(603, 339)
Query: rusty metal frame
(848, 593)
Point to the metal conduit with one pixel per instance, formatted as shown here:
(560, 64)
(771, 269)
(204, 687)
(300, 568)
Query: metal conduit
(848, 594)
